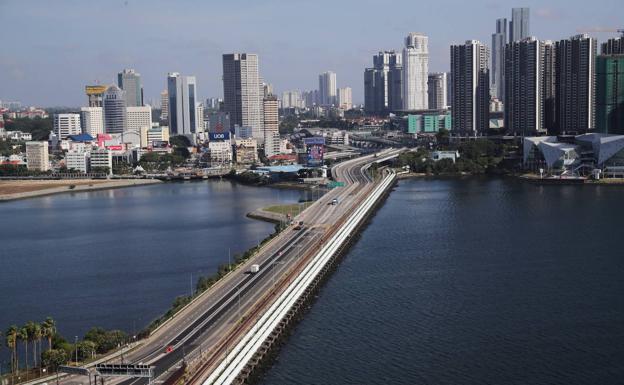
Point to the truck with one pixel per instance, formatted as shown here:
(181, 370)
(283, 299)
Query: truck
(254, 269)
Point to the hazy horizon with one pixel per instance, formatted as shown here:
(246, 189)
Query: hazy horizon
(56, 49)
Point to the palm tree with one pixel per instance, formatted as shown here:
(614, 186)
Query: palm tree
(22, 334)
(11, 343)
(49, 330)
(36, 335)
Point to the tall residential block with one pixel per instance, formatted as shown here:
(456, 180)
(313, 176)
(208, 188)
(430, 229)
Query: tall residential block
(519, 28)
(327, 88)
(610, 94)
(499, 40)
(613, 46)
(95, 95)
(549, 85)
(37, 156)
(383, 83)
(66, 125)
(345, 98)
(92, 120)
(524, 103)
(575, 81)
(130, 81)
(241, 90)
(182, 104)
(436, 86)
(114, 110)
(271, 138)
(471, 88)
(415, 72)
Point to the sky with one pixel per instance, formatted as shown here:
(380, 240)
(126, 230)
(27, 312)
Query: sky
(52, 49)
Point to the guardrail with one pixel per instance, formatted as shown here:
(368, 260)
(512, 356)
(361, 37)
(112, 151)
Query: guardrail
(238, 357)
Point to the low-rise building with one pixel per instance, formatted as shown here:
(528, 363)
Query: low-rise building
(101, 157)
(18, 135)
(158, 134)
(77, 160)
(37, 158)
(66, 125)
(439, 155)
(246, 151)
(220, 152)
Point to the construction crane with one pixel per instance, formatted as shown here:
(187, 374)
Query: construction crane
(607, 30)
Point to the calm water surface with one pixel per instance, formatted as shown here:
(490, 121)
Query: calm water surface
(118, 258)
(476, 281)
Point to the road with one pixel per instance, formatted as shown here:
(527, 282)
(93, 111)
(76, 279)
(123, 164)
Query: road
(200, 326)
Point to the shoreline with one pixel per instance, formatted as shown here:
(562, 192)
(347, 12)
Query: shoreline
(95, 185)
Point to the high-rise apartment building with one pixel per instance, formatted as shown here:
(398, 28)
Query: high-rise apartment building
(114, 110)
(383, 83)
(549, 85)
(436, 86)
(345, 98)
(92, 120)
(138, 117)
(291, 99)
(182, 104)
(327, 88)
(164, 105)
(241, 90)
(499, 40)
(66, 125)
(519, 28)
(575, 81)
(95, 95)
(37, 158)
(471, 88)
(271, 137)
(524, 103)
(613, 46)
(415, 72)
(130, 81)
(610, 94)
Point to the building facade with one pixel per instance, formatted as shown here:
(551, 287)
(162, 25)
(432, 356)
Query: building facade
(415, 72)
(499, 40)
(101, 158)
(271, 126)
(345, 98)
(114, 111)
(519, 28)
(95, 95)
(610, 94)
(66, 125)
(182, 92)
(470, 88)
(138, 118)
(92, 120)
(164, 105)
(130, 81)
(613, 46)
(241, 89)
(383, 83)
(436, 85)
(77, 160)
(37, 158)
(327, 88)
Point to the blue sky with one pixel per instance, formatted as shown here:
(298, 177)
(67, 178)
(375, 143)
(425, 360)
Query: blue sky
(52, 48)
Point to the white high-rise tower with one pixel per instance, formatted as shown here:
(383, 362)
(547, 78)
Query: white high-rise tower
(415, 71)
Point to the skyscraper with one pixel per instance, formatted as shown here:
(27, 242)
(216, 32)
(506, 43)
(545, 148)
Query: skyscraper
(130, 81)
(164, 105)
(327, 88)
(471, 88)
(383, 83)
(92, 120)
(524, 103)
(575, 83)
(241, 91)
(519, 28)
(345, 98)
(182, 98)
(610, 94)
(499, 39)
(114, 110)
(549, 85)
(271, 138)
(436, 86)
(95, 94)
(613, 46)
(138, 118)
(415, 72)
(66, 125)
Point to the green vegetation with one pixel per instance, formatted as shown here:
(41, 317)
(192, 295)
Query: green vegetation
(21, 170)
(8, 148)
(249, 178)
(153, 161)
(38, 127)
(288, 209)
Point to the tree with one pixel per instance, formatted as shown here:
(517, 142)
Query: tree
(182, 151)
(86, 350)
(11, 336)
(54, 358)
(49, 330)
(37, 336)
(22, 335)
(442, 136)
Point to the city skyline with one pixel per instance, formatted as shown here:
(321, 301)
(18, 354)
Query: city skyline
(31, 73)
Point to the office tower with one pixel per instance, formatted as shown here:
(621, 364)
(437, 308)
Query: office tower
(345, 98)
(95, 94)
(524, 104)
(519, 27)
(271, 126)
(471, 88)
(37, 158)
(415, 72)
(436, 86)
(92, 120)
(182, 98)
(499, 39)
(164, 105)
(199, 121)
(66, 125)
(213, 104)
(114, 110)
(130, 81)
(575, 73)
(610, 94)
(613, 46)
(138, 117)
(549, 85)
(327, 88)
(383, 83)
(241, 89)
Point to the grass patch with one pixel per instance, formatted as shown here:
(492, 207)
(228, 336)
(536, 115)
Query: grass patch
(292, 209)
